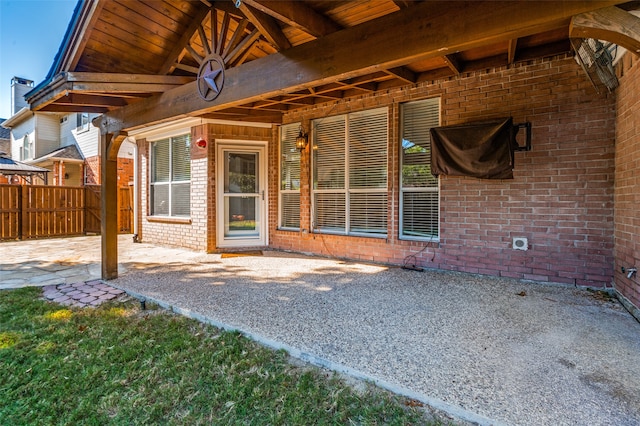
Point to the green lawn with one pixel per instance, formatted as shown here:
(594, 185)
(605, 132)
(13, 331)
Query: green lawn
(119, 365)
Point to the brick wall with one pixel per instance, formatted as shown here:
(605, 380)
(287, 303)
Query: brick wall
(561, 198)
(627, 188)
(92, 171)
(199, 231)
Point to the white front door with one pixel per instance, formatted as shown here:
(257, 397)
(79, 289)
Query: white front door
(242, 195)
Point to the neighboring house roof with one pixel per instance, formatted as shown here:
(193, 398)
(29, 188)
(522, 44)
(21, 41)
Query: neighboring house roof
(5, 133)
(16, 118)
(9, 166)
(69, 152)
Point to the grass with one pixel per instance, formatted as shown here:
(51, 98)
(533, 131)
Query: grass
(118, 365)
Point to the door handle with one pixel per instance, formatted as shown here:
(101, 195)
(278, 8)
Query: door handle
(263, 195)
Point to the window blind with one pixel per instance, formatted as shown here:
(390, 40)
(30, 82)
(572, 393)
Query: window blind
(289, 177)
(350, 173)
(170, 186)
(419, 200)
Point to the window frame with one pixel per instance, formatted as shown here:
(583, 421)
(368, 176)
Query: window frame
(346, 192)
(27, 148)
(83, 122)
(171, 183)
(282, 193)
(413, 189)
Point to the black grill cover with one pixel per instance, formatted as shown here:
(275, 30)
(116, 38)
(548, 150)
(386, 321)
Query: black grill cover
(481, 150)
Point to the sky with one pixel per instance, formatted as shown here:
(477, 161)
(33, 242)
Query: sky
(31, 32)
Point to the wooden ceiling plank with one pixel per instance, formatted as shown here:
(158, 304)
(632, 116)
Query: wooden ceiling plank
(173, 56)
(78, 40)
(166, 18)
(268, 27)
(122, 54)
(611, 24)
(297, 14)
(420, 32)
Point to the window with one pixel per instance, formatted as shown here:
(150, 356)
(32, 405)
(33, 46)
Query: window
(171, 177)
(419, 192)
(289, 177)
(350, 173)
(82, 121)
(27, 151)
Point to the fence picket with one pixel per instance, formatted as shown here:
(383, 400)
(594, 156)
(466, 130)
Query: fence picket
(38, 211)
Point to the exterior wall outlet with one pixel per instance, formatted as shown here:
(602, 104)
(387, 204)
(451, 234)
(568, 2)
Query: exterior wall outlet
(520, 243)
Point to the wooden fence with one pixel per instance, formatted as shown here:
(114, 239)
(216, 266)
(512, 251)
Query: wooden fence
(37, 211)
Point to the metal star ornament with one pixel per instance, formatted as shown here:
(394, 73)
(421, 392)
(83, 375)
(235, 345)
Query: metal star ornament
(211, 77)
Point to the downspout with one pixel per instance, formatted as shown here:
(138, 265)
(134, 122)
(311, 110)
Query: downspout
(135, 191)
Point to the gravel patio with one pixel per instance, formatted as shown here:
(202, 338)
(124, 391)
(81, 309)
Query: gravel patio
(483, 349)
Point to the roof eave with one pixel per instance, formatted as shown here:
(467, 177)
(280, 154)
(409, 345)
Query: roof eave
(16, 118)
(72, 39)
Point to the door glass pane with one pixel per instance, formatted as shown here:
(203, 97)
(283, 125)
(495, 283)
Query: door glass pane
(242, 201)
(241, 216)
(240, 173)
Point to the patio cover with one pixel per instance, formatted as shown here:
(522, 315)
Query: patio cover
(10, 167)
(141, 63)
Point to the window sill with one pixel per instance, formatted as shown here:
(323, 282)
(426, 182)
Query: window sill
(419, 239)
(169, 219)
(352, 234)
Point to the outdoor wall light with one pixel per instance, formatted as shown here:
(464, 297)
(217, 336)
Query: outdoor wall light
(201, 143)
(301, 140)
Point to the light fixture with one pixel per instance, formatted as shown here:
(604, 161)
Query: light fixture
(201, 143)
(301, 140)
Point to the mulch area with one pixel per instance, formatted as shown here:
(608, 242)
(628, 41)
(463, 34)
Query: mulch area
(83, 294)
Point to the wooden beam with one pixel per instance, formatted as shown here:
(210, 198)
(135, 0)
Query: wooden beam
(268, 27)
(454, 63)
(222, 37)
(512, 49)
(74, 108)
(238, 34)
(99, 77)
(403, 73)
(417, 33)
(92, 99)
(297, 14)
(109, 146)
(403, 4)
(103, 82)
(611, 24)
(241, 47)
